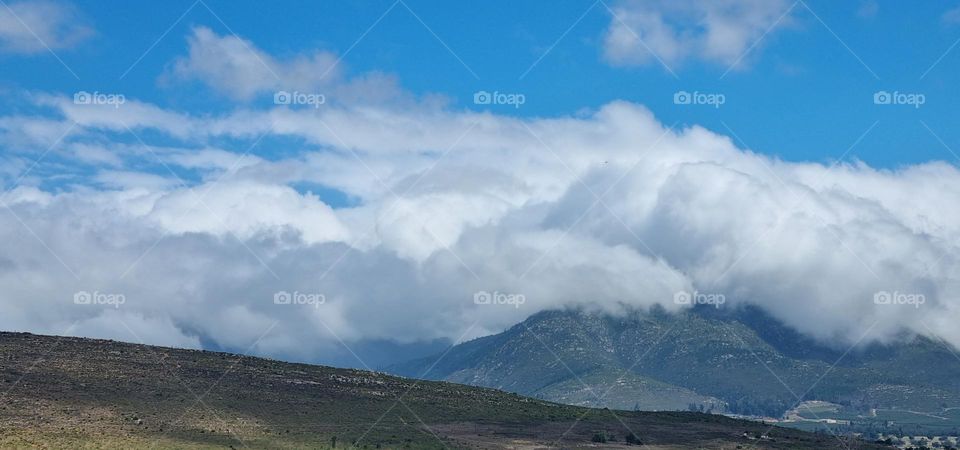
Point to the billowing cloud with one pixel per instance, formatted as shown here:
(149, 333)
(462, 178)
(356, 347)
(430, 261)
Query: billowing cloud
(643, 32)
(33, 26)
(211, 240)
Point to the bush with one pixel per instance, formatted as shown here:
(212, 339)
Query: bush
(632, 439)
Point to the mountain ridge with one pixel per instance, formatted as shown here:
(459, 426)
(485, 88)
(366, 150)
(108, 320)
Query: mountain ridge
(742, 361)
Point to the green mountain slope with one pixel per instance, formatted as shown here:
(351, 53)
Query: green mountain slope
(742, 361)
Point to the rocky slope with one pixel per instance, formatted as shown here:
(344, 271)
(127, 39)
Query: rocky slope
(83, 393)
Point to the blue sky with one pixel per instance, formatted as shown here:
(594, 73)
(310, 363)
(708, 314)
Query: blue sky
(804, 91)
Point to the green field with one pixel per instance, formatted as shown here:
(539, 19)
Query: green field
(885, 421)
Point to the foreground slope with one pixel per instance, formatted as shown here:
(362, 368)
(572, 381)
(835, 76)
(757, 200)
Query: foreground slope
(84, 393)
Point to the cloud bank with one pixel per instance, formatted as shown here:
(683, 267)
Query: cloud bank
(395, 214)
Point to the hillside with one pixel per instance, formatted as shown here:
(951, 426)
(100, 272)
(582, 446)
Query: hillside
(85, 393)
(739, 362)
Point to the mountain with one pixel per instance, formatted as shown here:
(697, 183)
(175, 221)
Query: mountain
(61, 392)
(739, 361)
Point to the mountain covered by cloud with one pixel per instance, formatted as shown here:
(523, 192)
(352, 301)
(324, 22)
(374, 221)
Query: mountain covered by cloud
(397, 209)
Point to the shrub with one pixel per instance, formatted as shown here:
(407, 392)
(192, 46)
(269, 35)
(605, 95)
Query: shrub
(632, 439)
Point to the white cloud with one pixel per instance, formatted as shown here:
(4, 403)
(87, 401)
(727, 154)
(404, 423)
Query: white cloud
(32, 26)
(237, 69)
(808, 243)
(868, 9)
(213, 159)
(247, 209)
(234, 67)
(488, 202)
(951, 16)
(119, 179)
(722, 31)
(131, 115)
(95, 154)
(121, 326)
